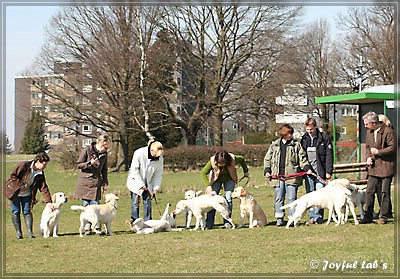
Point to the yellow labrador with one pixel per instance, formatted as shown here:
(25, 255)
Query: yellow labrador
(250, 208)
(98, 214)
(167, 223)
(51, 214)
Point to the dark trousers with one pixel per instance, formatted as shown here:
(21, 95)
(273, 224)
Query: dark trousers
(380, 186)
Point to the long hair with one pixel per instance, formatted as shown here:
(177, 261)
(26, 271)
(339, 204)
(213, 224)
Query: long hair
(223, 157)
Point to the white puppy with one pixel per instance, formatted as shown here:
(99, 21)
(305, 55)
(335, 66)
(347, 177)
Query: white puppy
(98, 214)
(190, 194)
(51, 214)
(250, 208)
(203, 204)
(167, 223)
(331, 197)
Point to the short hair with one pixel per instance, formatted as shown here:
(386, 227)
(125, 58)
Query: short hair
(103, 138)
(42, 157)
(310, 121)
(285, 129)
(157, 146)
(223, 157)
(371, 117)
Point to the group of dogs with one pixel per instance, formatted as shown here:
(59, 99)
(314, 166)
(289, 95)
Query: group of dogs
(338, 196)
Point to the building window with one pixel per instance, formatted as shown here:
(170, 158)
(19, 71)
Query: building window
(87, 88)
(86, 142)
(87, 129)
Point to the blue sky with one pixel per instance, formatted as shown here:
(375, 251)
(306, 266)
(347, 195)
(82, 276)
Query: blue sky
(25, 34)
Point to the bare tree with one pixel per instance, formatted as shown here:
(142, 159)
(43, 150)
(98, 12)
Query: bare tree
(370, 37)
(98, 57)
(219, 41)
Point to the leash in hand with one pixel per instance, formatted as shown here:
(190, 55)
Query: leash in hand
(155, 199)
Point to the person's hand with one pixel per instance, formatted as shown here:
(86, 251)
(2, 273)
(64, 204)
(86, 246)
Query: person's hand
(267, 175)
(370, 161)
(309, 172)
(51, 206)
(328, 176)
(95, 162)
(374, 151)
(105, 187)
(246, 174)
(155, 192)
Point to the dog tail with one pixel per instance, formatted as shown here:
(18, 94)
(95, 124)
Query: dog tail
(290, 205)
(164, 216)
(78, 207)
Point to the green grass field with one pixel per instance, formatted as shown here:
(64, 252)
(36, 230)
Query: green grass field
(269, 251)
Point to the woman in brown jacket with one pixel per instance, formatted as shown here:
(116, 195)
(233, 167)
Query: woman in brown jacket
(92, 176)
(21, 188)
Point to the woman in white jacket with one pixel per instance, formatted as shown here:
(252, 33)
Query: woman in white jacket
(144, 177)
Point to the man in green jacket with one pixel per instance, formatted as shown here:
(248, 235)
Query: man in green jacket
(221, 170)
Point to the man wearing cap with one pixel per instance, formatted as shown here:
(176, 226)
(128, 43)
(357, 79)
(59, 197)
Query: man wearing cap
(144, 177)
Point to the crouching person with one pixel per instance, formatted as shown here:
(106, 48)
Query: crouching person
(21, 188)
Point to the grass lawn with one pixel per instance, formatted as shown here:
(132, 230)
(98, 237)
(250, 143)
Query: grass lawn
(268, 251)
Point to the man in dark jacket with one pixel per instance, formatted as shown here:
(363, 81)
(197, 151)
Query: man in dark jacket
(27, 178)
(318, 147)
(381, 157)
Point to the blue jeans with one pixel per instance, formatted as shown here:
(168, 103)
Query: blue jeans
(19, 202)
(228, 188)
(88, 202)
(280, 192)
(146, 206)
(314, 184)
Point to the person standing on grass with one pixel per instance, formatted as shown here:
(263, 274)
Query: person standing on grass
(221, 170)
(319, 150)
(93, 172)
(144, 177)
(381, 160)
(21, 188)
(284, 157)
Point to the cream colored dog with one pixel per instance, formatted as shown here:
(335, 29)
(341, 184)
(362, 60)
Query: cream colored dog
(98, 214)
(334, 196)
(51, 214)
(250, 208)
(167, 223)
(203, 204)
(190, 194)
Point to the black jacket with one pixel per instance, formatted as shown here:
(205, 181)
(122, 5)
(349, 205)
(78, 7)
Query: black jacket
(324, 152)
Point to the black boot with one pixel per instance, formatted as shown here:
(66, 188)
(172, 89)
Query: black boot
(29, 224)
(16, 219)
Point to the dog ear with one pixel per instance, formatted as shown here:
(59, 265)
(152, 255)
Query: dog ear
(243, 192)
(53, 198)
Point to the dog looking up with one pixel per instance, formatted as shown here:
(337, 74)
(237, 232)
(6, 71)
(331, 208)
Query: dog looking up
(50, 217)
(98, 214)
(250, 208)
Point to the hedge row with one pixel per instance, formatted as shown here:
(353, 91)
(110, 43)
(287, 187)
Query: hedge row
(195, 157)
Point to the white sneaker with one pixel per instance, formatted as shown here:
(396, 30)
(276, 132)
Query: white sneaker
(228, 226)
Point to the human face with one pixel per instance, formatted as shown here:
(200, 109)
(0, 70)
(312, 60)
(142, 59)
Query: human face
(311, 130)
(40, 165)
(155, 151)
(103, 146)
(370, 125)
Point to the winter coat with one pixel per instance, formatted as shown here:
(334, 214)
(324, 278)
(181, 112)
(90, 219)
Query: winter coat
(145, 171)
(324, 152)
(91, 178)
(224, 174)
(19, 177)
(295, 161)
(384, 163)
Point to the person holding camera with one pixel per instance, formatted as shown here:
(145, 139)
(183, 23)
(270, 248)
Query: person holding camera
(92, 166)
(21, 188)
(144, 177)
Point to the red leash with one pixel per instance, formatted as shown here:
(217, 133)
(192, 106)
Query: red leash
(285, 177)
